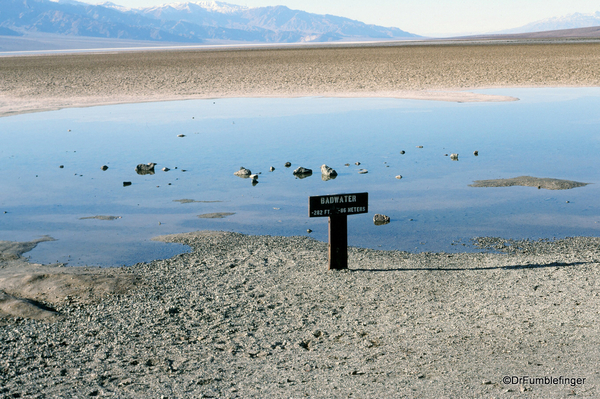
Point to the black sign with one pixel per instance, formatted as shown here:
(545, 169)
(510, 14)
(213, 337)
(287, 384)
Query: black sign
(338, 204)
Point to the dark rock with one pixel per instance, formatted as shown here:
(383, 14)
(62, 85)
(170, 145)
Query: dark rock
(126, 183)
(145, 169)
(104, 167)
(288, 164)
(243, 172)
(302, 172)
(327, 173)
(379, 219)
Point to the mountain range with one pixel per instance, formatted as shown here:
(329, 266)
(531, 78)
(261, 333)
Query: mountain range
(185, 22)
(213, 22)
(571, 21)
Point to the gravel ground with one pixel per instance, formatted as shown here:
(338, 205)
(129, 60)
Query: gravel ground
(260, 316)
(37, 83)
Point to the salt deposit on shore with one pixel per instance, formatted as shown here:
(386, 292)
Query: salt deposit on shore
(260, 316)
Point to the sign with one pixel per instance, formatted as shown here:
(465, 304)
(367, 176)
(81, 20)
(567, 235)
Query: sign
(338, 204)
(337, 207)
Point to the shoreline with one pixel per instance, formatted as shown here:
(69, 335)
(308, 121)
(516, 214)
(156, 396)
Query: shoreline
(250, 316)
(19, 106)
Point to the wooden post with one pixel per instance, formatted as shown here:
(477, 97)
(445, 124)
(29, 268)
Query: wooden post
(338, 242)
(337, 207)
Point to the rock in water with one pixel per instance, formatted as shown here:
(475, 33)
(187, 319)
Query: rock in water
(454, 157)
(302, 172)
(328, 173)
(145, 169)
(288, 164)
(379, 219)
(271, 169)
(363, 171)
(243, 172)
(104, 167)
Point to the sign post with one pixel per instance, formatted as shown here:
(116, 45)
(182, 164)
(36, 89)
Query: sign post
(337, 207)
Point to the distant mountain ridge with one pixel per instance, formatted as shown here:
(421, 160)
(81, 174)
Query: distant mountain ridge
(570, 21)
(185, 22)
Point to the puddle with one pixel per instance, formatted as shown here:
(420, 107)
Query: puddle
(54, 182)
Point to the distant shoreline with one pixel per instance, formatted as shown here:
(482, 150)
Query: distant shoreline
(428, 71)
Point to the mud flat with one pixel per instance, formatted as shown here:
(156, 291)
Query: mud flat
(260, 316)
(529, 181)
(428, 71)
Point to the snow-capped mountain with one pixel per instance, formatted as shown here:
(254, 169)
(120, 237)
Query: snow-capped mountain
(571, 21)
(185, 22)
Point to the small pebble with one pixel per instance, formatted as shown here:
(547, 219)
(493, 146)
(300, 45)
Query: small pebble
(309, 231)
(403, 152)
(271, 169)
(288, 164)
(476, 153)
(419, 146)
(182, 135)
(104, 167)
(61, 166)
(356, 163)
(399, 177)
(363, 171)
(166, 169)
(126, 183)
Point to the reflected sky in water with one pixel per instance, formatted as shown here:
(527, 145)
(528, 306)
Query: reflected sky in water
(548, 133)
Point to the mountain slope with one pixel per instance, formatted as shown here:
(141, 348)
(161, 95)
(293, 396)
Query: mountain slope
(185, 22)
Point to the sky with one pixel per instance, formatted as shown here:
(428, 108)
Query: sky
(422, 17)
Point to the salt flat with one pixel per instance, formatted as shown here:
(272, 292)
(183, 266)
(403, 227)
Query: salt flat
(432, 71)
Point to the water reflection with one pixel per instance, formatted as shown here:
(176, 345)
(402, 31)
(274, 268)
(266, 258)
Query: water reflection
(405, 146)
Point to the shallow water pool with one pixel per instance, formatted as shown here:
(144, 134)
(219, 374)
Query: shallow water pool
(551, 133)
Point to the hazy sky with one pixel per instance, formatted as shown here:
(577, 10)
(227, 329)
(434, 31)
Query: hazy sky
(423, 17)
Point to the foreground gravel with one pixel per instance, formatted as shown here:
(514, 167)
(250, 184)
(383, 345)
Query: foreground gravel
(247, 316)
